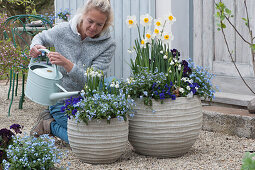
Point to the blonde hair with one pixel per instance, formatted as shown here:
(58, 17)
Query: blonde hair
(103, 6)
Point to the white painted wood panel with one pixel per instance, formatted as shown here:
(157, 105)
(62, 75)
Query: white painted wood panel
(197, 33)
(243, 51)
(208, 34)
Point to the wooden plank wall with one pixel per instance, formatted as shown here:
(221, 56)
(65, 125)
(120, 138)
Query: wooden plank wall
(209, 46)
(120, 32)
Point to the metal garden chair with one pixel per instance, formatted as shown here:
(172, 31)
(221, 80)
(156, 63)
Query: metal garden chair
(21, 29)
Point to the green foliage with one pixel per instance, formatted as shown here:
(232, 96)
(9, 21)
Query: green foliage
(222, 13)
(16, 7)
(248, 161)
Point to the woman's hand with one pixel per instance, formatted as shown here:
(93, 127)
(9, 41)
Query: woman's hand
(58, 59)
(34, 52)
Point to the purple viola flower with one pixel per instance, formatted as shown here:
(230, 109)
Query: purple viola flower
(169, 92)
(63, 108)
(6, 134)
(173, 97)
(175, 52)
(74, 112)
(153, 86)
(68, 102)
(193, 90)
(17, 128)
(186, 69)
(162, 96)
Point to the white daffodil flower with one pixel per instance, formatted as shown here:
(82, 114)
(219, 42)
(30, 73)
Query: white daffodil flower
(171, 63)
(143, 43)
(131, 21)
(148, 35)
(146, 20)
(170, 18)
(165, 57)
(161, 52)
(156, 32)
(167, 37)
(158, 22)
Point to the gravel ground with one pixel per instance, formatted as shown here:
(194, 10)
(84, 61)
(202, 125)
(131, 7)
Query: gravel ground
(211, 151)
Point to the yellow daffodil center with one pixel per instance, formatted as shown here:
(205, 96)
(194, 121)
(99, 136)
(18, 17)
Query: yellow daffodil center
(148, 36)
(130, 22)
(170, 17)
(166, 37)
(146, 20)
(142, 42)
(158, 23)
(156, 31)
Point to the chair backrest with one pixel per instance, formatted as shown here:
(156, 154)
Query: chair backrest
(22, 28)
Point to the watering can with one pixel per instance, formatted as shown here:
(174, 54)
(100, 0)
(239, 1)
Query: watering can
(43, 83)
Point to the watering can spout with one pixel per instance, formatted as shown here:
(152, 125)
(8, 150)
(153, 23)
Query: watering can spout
(61, 95)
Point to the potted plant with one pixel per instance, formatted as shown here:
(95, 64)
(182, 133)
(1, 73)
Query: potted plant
(98, 120)
(27, 152)
(167, 92)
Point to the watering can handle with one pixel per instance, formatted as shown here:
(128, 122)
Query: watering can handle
(48, 51)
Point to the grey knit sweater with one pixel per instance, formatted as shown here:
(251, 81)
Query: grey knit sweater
(95, 52)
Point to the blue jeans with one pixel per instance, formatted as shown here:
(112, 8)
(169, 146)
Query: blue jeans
(59, 126)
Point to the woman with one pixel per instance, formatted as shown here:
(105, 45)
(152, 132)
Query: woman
(83, 42)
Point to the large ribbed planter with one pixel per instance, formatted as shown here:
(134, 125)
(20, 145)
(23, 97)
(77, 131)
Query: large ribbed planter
(166, 130)
(98, 142)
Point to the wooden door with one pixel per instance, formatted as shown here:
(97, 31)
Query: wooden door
(210, 49)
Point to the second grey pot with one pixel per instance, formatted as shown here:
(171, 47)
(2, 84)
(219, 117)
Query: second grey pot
(166, 130)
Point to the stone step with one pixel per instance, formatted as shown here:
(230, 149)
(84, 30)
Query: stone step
(232, 99)
(232, 121)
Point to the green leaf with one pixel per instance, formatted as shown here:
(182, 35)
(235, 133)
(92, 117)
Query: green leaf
(228, 11)
(223, 25)
(253, 48)
(244, 19)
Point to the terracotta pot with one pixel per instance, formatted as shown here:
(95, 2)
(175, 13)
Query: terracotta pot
(98, 142)
(166, 130)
